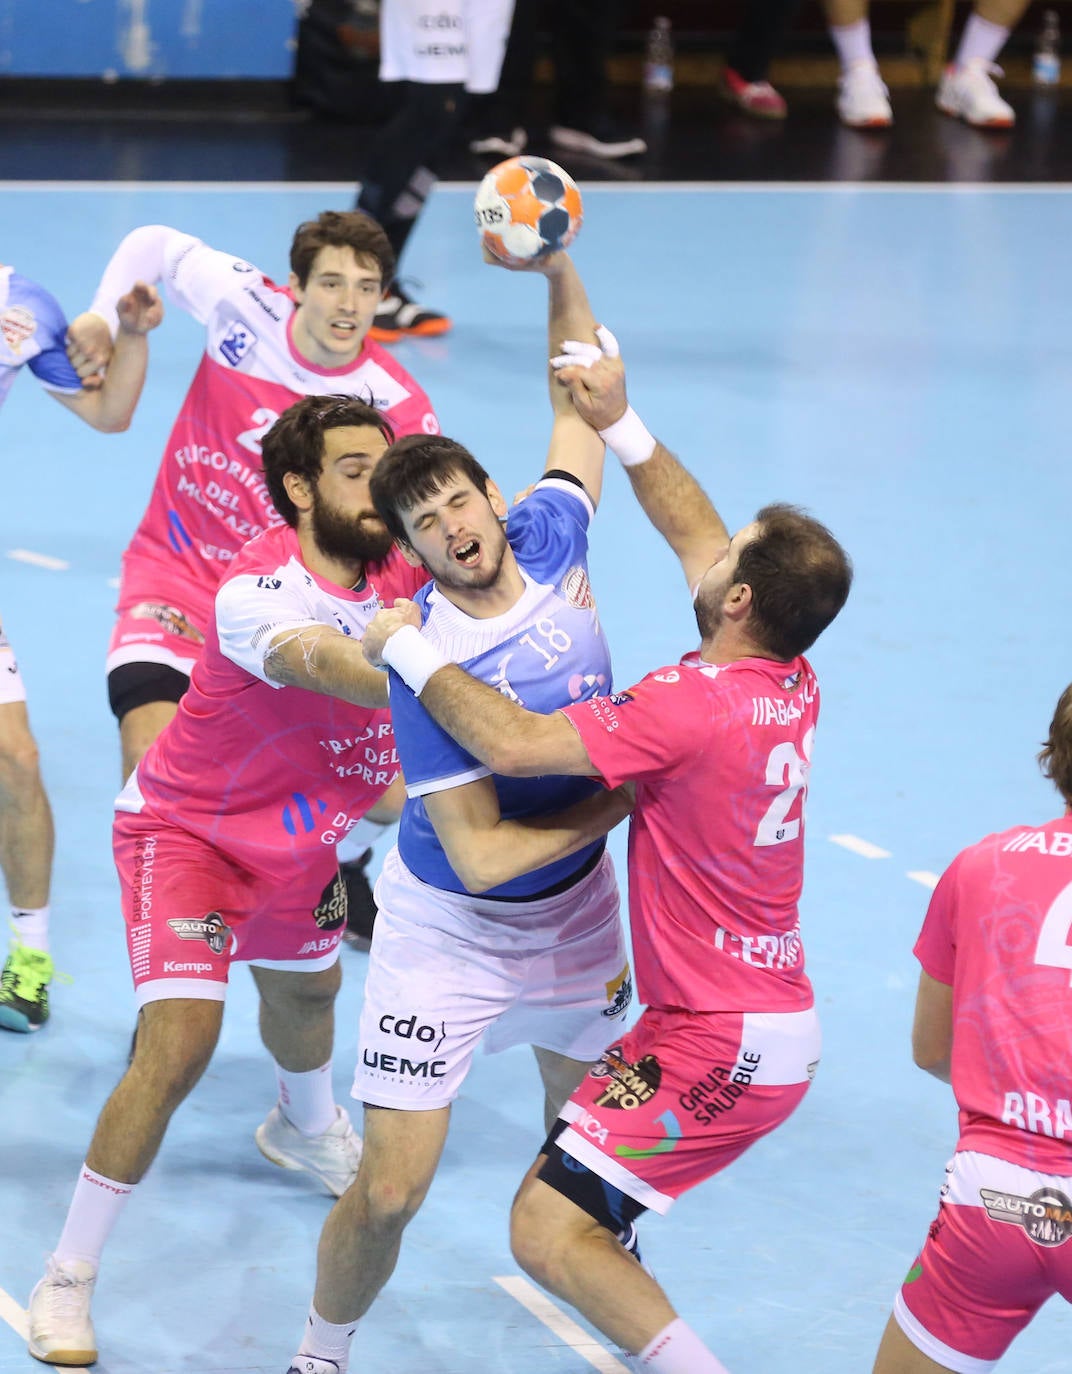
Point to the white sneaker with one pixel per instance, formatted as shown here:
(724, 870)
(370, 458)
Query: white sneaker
(312, 1364)
(969, 93)
(863, 98)
(61, 1329)
(332, 1157)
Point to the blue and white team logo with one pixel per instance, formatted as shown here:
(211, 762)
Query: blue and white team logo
(237, 342)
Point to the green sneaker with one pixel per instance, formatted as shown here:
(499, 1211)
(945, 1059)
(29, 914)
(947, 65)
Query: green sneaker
(24, 988)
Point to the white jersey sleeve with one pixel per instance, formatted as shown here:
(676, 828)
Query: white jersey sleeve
(251, 610)
(194, 275)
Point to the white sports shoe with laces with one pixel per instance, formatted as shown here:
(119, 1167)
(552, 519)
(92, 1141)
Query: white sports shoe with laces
(61, 1329)
(969, 93)
(332, 1157)
(863, 100)
(312, 1364)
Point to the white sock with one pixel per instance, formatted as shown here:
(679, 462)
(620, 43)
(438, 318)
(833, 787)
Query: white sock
(307, 1099)
(94, 1210)
(981, 41)
(31, 926)
(326, 1340)
(363, 836)
(678, 1350)
(853, 43)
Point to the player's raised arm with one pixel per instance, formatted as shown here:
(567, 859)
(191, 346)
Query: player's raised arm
(574, 448)
(669, 495)
(109, 406)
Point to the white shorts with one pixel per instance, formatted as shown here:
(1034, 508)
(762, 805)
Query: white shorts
(460, 42)
(12, 687)
(447, 970)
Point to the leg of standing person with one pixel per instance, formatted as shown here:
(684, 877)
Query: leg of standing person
(398, 179)
(762, 27)
(499, 122)
(863, 101)
(583, 35)
(967, 88)
(464, 54)
(306, 1129)
(175, 1041)
(581, 1261)
(27, 840)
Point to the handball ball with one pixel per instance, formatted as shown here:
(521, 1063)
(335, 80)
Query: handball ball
(526, 208)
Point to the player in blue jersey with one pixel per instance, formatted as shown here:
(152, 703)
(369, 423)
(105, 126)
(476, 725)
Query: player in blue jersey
(463, 950)
(33, 334)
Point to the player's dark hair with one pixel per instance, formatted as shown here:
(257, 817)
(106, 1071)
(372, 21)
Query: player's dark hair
(295, 443)
(341, 229)
(415, 468)
(800, 578)
(1055, 758)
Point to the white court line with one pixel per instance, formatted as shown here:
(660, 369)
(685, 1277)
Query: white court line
(17, 1319)
(39, 560)
(921, 875)
(864, 848)
(565, 1328)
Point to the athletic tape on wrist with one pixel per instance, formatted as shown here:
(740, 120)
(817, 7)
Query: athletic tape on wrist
(628, 439)
(412, 658)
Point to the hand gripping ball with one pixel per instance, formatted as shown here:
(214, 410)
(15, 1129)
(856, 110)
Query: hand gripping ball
(526, 208)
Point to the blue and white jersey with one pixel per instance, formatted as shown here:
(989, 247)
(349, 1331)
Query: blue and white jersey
(33, 331)
(546, 652)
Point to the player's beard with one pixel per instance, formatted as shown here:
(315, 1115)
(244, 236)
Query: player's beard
(708, 612)
(352, 538)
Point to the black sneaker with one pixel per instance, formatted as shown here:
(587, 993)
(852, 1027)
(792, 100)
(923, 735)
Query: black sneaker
(502, 145)
(600, 138)
(398, 317)
(360, 903)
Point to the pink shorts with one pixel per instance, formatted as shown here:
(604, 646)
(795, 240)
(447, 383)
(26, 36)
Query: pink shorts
(155, 631)
(684, 1093)
(998, 1248)
(190, 912)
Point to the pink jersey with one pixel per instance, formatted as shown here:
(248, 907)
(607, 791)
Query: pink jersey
(269, 774)
(997, 930)
(716, 845)
(210, 496)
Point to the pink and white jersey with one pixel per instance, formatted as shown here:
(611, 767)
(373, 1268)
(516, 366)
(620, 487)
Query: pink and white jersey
(997, 931)
(720, 757)
(266, 773)
(210, 496)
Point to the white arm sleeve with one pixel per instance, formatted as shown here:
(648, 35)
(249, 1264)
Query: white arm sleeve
(194, 275)
(251, 611)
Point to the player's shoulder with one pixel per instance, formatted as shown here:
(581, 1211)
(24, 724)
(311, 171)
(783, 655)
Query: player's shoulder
(552, 519)
(268, 552)
(264, 297)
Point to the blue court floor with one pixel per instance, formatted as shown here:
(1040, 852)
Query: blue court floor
(895, 360)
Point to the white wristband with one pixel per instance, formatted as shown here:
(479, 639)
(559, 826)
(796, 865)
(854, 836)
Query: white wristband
(412, 658)
(629, 440)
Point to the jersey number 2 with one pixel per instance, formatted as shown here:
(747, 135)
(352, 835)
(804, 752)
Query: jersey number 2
(787, 770)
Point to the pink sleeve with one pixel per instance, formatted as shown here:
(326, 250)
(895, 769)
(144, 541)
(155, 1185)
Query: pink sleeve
(647, 732)
(936, 947)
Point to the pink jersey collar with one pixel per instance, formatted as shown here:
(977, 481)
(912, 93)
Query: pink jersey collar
(365, 593)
